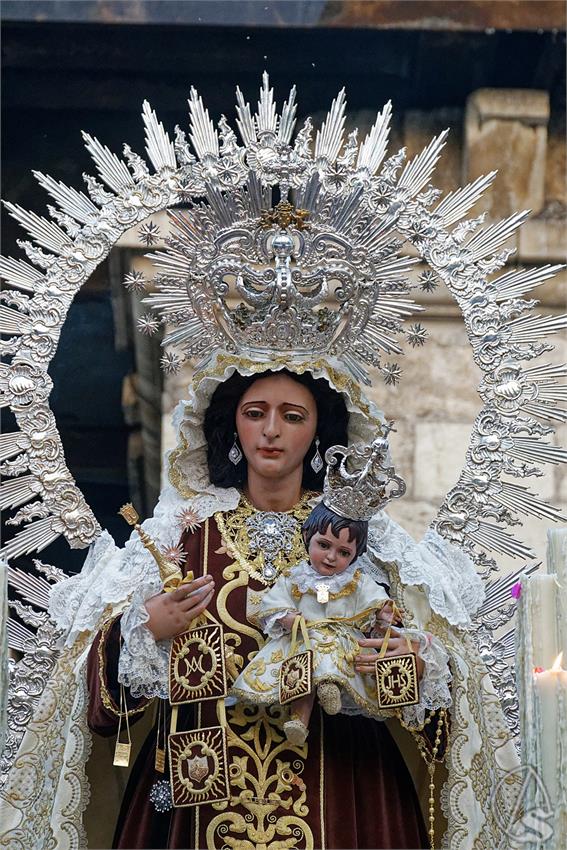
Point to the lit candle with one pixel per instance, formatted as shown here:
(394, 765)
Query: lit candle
(550, 688)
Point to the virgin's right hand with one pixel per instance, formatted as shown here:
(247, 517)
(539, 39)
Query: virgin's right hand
(172, 613)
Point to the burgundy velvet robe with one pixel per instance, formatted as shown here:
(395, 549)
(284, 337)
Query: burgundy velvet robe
(359, 793)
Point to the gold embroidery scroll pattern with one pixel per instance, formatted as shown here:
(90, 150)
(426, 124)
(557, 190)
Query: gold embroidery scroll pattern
(264, 781)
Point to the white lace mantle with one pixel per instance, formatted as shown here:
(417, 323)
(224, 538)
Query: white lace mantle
(446, 573)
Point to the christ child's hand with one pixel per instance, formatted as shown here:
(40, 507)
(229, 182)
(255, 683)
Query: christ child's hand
(289, 619)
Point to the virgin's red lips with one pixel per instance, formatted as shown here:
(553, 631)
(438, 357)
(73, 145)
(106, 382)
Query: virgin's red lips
(270, 452)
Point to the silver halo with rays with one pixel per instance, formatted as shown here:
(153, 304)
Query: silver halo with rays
(335, 179)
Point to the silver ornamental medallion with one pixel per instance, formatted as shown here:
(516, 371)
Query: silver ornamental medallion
(270, 533)
(323, 593)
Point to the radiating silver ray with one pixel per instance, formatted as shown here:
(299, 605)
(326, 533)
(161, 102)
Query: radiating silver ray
(71, 202)
(10, 444)
(418, 171)
(267, 116)
(12, 321)
(18, 635)
(183, 335)
(203, 135)
(545, 411)
(373, 148)
(507, 644)
(20, 274)
(45, 232)
(456, 204)
(329, 139)
(518, 282)
(34, 538)
(287, 120)
(532, 449)
(533, 328)
(379, 339)
(259, 197)
(171, 298)
(520, 499)
(159, 146)
(490, 536)
(488, 240)
(360, 373)
(113, 171)
(244, 121)
(547, 371)
(18, 491)
(498, 591)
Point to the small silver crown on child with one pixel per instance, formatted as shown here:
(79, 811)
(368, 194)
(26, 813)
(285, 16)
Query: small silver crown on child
(360, 479)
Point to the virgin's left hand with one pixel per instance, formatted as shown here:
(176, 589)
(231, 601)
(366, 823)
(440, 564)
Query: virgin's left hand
(396, 646)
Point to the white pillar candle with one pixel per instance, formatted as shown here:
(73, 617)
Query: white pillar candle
(551, 701)
(557, 566)
(539, 595)
(542, 687)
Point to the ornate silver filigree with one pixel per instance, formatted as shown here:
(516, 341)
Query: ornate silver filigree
(361, 206)
(358, 479)
(270, 533)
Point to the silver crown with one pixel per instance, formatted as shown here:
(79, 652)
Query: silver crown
(318, 273)
(360, 479)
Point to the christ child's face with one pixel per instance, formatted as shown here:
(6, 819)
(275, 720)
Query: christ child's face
(330, 555)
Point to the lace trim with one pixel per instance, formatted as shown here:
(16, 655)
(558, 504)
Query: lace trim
(434, 691)
(454, 589)
(144, 662)
(271, 625)
(306, 578)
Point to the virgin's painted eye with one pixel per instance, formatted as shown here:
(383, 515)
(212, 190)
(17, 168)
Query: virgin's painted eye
(294, 417)
(254, 414)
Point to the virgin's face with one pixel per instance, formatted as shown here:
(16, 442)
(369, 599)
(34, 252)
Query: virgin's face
(276, 421)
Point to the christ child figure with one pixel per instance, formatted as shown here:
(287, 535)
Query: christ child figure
(339, 604)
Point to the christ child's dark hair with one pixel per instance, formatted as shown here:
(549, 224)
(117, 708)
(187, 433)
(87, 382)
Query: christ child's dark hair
(220, 425)
(321, 517)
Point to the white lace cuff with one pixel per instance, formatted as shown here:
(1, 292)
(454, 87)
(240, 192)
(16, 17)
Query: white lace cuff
(144, 662)
(272, 625)
(434, 689)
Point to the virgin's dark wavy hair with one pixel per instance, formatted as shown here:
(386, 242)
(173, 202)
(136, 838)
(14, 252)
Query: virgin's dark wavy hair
(220, 425)
(321, 517)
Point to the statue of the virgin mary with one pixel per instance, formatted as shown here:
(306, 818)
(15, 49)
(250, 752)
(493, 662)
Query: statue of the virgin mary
(285, 301)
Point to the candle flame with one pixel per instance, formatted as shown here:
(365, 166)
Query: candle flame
(557, 668)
